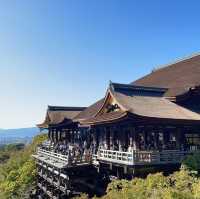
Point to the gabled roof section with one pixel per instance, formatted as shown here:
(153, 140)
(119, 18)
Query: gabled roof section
(145, 102)
(128, 90)
(58, 114)
(155, 107)
(178, 77)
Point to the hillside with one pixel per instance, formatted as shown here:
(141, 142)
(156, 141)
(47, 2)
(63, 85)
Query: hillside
(17, 174)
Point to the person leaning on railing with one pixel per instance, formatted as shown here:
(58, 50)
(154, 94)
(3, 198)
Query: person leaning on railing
(130, 148)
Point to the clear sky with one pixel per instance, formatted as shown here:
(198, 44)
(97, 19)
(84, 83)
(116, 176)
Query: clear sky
(64, 52)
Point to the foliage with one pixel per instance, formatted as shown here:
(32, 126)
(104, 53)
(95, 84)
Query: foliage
(192, 162)
(179, 185)
(18, 173)
(7, 150)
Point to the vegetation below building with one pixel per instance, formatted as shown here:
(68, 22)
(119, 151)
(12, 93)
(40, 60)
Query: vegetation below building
(17, 169)
(183, 184)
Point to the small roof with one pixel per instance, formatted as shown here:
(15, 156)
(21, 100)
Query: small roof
(179, 76)
(143, 102)
(89, 111)
(58, 114)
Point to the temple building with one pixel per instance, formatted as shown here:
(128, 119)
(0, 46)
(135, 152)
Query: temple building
(152, 123)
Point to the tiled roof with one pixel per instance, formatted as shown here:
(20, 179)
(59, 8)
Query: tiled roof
(142, 105)
(179, 77)
(58, 114)
(155, 107)
(90, 111)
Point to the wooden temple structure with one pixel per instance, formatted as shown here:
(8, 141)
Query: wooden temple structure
(153, 122)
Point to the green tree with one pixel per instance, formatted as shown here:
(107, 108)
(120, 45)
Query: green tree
(19, 172)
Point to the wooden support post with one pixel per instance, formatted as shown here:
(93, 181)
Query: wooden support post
(118, 173)
(110, 166)
(56, 135)
(178, 138)
(125, 169)
(52, 135)
(59, 179)
(105, 138)
(134, 139)
(111, 139)
(49, 134)
(53, 168)
(145, 138)
(156, 139)
(120, 137)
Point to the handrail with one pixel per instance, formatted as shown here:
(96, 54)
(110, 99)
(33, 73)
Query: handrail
(142, 157)
(67, 159)
(53, 154)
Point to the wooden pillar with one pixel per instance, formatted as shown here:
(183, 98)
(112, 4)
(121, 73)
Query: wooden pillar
(56, 135)
(155, 139)
(130, 137)
(74, 136)
(49, 132)
(68, 136)
(52, 138)
(71, 136)
(134, 139)
(111, 139)
(105, 138)
(97, 136)
(178, 138)
(145, 138)
(94, 141)
(121, 138)
(53, 135)
(115, 138)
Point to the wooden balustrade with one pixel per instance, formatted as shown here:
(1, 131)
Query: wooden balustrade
(116, 156)
(60, 160)
(143, 157)
(52, 154)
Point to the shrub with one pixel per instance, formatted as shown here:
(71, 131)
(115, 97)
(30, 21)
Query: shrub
(192, 162)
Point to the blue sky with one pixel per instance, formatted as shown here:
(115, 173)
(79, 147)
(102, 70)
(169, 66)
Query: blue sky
(65, 52)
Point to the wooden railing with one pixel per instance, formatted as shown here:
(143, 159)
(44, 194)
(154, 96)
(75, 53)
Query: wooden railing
(65, 159)
(115, 156)
(142, 157)
(52, 154)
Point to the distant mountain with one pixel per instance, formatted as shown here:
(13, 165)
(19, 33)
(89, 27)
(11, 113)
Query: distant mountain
(21, 132)
(23, 135)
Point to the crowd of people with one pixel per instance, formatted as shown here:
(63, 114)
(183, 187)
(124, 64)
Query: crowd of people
(74, 151)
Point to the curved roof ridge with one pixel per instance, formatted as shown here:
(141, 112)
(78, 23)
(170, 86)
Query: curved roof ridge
(177, 60)
(178, 77)
(65, 108)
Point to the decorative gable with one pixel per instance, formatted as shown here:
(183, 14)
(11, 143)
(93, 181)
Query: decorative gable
(110, 105)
